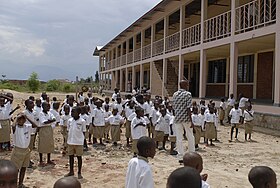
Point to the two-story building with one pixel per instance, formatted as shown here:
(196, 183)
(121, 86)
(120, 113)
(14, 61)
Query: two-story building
(221, 46)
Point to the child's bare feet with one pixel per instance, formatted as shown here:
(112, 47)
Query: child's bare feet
(80, 176)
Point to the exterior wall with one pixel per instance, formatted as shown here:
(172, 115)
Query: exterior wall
(215, 90)
(156, 87)
(246, 89)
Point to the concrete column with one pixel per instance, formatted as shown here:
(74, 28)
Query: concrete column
(233, 69)
(142, 42)
(152, 38)
(181, 70)
(234, 4)
(203, 74)
(134, 46)
(113, 83)
(127, 49)
(255, 75)
(277, 58)
(165, 32)
(227, 77)
(126, 80)
(133, 77)
(117, 79)
(204, 7)
(182, 23)
(151, 75)
(141, 76)
(164, 76)
(121, 80)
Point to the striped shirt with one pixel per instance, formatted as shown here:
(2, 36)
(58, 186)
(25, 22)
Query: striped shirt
(182, 100)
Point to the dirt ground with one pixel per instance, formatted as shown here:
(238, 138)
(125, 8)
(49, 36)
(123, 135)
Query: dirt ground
(227, 164)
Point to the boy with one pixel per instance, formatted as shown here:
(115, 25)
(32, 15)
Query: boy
(153, 118)
(201, 116)
(129, 109)
(76, 128)
(230, 105)
(107, 113)
(197, 126)
(235, 119)
(55, 113)
(138, 128)
(98, 123)
(222, 111)
(8, 174)
(84, 116)
(262, 177)
(194, 160)
(184, 177)
(162, 128)
(21, 152)
(248, 119)
(46, 140)
(67, 182)
(115, 121)
(139, 173)
(63, 124)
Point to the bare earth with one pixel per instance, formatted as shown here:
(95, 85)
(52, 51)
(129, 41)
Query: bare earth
(227, 164)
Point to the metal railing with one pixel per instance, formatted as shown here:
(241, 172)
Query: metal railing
(255, 14)
(118, 62)
(123, 62)
(130, 58)
(217, 27)
(172, 42)
(146, 52)
(191, 36)
(137, 55)
(158, 47)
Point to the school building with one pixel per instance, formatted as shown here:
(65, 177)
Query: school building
(221, 46)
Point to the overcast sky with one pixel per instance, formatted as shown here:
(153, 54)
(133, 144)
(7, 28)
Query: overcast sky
(56, 38)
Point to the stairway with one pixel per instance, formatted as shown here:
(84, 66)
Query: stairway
(172, 79)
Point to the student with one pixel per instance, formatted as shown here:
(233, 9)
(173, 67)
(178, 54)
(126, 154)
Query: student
(29, 113)
(55, 113)
(76, 129)
(248, 120)
(235, 120)
(230, 105)
(115, 121)
(197, 126)
(98, 122)
(54, 99)
(107, 113)
(184, 177)
(63, 124)
(262, 177)
(138, 128)
(106, 102)
(44, 97)
(81, 97)
(222, 111)
(115, 94)
(201, 116)
(85, 116)
(21, 152)
(139, 173)
(194, 160)
(129, 109)
(67, 182)
(46, 140)
(162, 128)
(153, 118)
(118, 105)
(243, 102)
(71, 102)
(8, 174)
(210, 126)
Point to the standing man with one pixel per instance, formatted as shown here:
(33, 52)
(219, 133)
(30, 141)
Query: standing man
(182, 101)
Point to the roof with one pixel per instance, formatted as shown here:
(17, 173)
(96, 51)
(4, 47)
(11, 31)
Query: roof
(97, 50)
(158, 8)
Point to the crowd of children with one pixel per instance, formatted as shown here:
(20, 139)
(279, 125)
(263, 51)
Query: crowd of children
(91, 120)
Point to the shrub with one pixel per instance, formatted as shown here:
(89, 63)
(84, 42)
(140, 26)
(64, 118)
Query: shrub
(33, 83)
(52, 85)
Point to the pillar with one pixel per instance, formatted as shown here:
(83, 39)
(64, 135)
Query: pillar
(165, 32)
(182, 24)
(142, 42)
(141, 76)
(181, 70)
(233, 69)
(164, 75)
(151, 75)
(152, 39)
(133, 77)
(277, 58)
(121, 80)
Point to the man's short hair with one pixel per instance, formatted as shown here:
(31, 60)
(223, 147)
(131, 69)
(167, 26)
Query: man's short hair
(144, 143)
(184, 177)
(259, 176)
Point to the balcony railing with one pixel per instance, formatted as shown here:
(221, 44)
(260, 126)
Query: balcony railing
(158, 47)
(217, 27)
(255, 14)
(123, 62)
(192, 36)
(172, 42)
(113, 65)
(137, 55)
(130, 58)
(118, 62)
(146, 53)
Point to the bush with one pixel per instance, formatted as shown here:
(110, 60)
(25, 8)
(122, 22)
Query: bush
(10, 86)
(68, 88)
(52, 85)
(33, 83)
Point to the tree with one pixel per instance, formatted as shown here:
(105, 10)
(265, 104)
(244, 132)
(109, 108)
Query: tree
(33, 83)
(96, 77)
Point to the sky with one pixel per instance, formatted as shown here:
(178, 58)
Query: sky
(56, 38)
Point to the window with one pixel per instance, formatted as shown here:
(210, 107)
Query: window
(245, 70)
(217, 71)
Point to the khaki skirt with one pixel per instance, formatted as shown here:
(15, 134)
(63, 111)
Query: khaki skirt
(197, 134)
(46, 141)
(221, 114)
(107, 128)
(98, 131)
(5, 131)
(115, 133)
(20, 157)
(249, 127)
(159, 136)
(172, 138)
(210, 132)
(128, 129)
(134, 146)
(32, 142)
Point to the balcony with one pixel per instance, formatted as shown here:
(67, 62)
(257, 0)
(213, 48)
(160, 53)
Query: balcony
(130, 58)
(172, 42)
(123, 62)
(191, 36)
(158, 47)
(137, 55)
(146, 53)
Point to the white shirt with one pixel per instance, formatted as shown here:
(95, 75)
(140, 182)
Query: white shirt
(104, 104)
(154, 115)
(223, 105)
(247, 116)
(139, 174)
(139, 131)
(196, 119)
(64, 120)
(231, 102)
(99, 118)
(114, 96)
(86, 118)
(107, 114)
(45, 117)
(235, 115)
(204, 184)
(119, 107)
(76, 129)
(22, 135)
(147, 108)
(56, 115)
(131, 116)
(211, 118)
(242, 102)
(163, 124)
(128, 111)
(201, 119)
(4, 113)
(115, 120)
(31, 116)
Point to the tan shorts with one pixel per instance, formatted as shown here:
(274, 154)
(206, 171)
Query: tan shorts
(249, 127)
(20, 157)
(128, 129)
(159, 136)
(77, 150)
(172, 138)
(5, 131)
(98, 131)
(134, 146)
